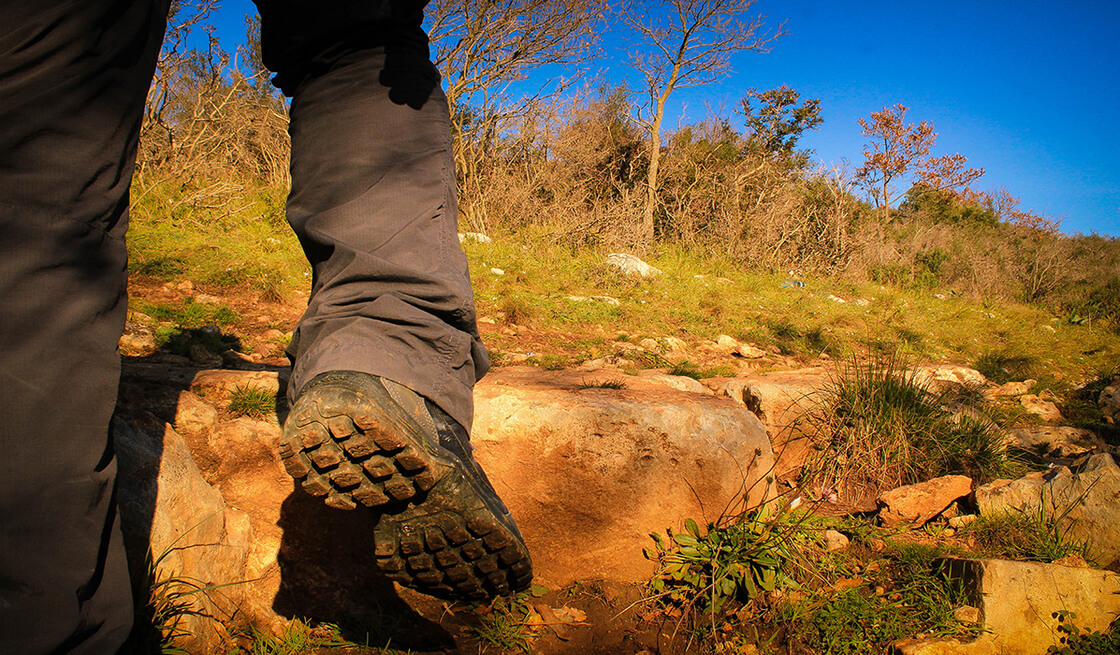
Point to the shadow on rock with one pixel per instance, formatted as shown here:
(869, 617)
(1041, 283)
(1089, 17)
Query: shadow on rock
(328, 574)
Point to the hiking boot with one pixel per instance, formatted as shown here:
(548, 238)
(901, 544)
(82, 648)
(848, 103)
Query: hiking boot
(356, 438)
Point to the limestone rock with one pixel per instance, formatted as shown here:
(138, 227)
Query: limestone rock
(1054, 441)
(749, 351)
(216, 385)
(632, 265)
(166, 506)
(946, 376)
(588, 474)
(1086, 499)
(193, 415)
(474, 237)
(1043, 408)
(678, 382)
(915, 504)
(1014, 388)
(1019, 601)
(834, 540)
(1109, 401)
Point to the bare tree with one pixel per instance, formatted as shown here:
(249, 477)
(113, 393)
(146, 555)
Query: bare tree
(685, 43)
(482, 47)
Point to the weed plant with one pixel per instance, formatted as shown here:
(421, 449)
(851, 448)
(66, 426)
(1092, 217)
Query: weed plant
(162, 604)
(1002, 366)
(506, 625)
(884, 429)
(1075, 641)
(905, 594)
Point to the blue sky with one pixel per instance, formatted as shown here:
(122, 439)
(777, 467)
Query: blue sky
(1028, 90)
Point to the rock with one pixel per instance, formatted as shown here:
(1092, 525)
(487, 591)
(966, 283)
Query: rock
(915, 504)
(233, 359)
(1084, 500)
(1014, 388)
(497, 271)
(474, 237)
(968, 614)
(588, 474)
(606, 300)
(837, 299)
(202, 356)
(727, 343)
(1020, 603)
(958, 522)
(272, 334)
(749, 351)
(947, 376)
(166, 506)
(1109, 401)
(779, 399)
(207, 299)
(137, 339)
(193, 415)
(186, 286)
(1054, 441)
(631, 265)
(215, 385)
(834, 540)
(650, 344)
(678, 382)
(1043, 408)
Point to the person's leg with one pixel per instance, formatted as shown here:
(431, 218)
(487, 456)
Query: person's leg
(373, 203)
(73, 78)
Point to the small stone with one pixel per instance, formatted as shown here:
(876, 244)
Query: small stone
(727, 342)
(206, 299)
(649, 344)
(958, 522)
(1043, 408)
(834, 540)
(751, 352)
(474, 237)
(631, 265)
(497, 271)
(272, 334)
(185, 286)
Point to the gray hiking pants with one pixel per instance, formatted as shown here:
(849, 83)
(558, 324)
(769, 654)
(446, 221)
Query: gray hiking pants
(372, 204)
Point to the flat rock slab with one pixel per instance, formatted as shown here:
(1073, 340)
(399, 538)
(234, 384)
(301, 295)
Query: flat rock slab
(1019, 602)
(915, 504)
(589, 473)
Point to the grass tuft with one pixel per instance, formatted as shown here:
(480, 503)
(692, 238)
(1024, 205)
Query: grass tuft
(251, 401)
(884, 430)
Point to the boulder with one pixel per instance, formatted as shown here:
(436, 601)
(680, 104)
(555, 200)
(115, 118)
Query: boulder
(1085, 500)
(632, 265)
(915, 504)
(590, 473)
(193, 535)
(1054, 441)
(1109, 401)
(944, 377)
(678, 382)
(1019, 603)
(1045, 409)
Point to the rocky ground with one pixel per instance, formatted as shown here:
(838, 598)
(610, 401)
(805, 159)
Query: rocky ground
(591, 459)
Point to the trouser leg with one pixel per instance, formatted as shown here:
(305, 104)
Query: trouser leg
(72, 83)
(373, 203)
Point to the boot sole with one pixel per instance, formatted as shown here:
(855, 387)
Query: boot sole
(352, 444)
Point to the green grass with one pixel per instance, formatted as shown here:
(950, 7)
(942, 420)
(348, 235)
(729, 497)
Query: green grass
(1033, 537)
(251, 401)
(885, 430)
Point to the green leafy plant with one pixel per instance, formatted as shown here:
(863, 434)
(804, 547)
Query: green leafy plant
(1075, 641)
(604, 384)
(736, 561)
